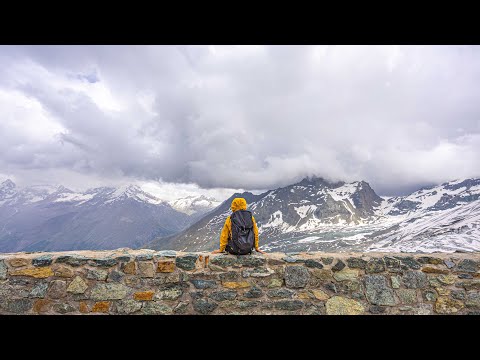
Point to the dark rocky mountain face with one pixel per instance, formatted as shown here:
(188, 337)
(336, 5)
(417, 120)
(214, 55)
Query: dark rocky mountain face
(48, 219)
(293, 209)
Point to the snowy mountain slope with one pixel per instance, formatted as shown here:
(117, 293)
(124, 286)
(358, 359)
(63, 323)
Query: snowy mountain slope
(317, 215)
(194, 204)
(445, 196)
(57, 218)
(307, 206)
(456, 228)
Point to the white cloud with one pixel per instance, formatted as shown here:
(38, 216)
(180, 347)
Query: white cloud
(240, 117)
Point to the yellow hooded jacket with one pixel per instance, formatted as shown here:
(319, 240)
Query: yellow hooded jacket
(237, 204)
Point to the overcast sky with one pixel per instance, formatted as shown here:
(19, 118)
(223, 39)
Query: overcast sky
(239, 117)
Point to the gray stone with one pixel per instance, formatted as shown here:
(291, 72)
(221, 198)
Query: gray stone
(123, 258)
(39, 291)
(247, 304)
(338, 266)
(346, 274)
(331, 287)
(313, 264)
(430, 295)
(260, 272)
(204, 284)
(327, 260)
(407, 296)
(251, 260)
(290, 305)
(376, 309)
(77, 286)
(223, 260)
(396, 281)
(229, 276)
(415, 279)
(375, 266)
(291, 259)
(145, 257)
(181, 307)
(392, 264)
(146, 269)
(105, 262)
(186, 262)
(356, 263)
(203, 306)
(377, 291)
(465, 276)
(458, 294)
(63, 308)
(115, 276)
(472, 299)
(467, 265)
(166, 253)
(223, 295)
(423, 309)
(128, 306)
(109, 291)
(58, 289)
(156, 308)
(450, 264)
(172, 292)
(429, 260)
(17, 306)
(44, 260)
(196, 295)
(72, 260)
(254, 292)
(410, 262)
(275, 283)
(296, 276)
(281, 293)
(97, 274)
(3, 270)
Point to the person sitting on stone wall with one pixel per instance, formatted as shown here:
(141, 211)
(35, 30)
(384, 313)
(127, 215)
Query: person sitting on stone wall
(240, 232)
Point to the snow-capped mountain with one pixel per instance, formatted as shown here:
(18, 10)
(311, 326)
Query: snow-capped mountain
(309, 205)
(56, 218)
(194, 204)
(317, 215)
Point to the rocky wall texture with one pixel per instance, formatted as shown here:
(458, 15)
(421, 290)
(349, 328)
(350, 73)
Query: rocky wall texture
(167, 282)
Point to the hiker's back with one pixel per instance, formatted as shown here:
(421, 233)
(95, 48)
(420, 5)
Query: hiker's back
(242, 240)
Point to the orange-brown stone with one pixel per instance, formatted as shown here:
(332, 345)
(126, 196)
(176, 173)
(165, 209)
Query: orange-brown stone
(143, 295)
(236, 284)
(83, 307)
(41, 306)
(101, 307)
(39, 273)
(165, 266)
(432, 270)
(130, 268)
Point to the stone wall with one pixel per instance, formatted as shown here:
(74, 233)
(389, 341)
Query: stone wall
(166, 282)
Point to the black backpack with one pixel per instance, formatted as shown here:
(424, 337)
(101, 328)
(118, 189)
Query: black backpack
(243, 239)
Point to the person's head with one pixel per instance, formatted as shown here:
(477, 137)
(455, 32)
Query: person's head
(238, 204)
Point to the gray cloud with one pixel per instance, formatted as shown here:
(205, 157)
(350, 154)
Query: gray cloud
(253, 117)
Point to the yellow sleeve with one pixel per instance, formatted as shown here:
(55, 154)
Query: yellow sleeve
(227, 229)
(255, 231)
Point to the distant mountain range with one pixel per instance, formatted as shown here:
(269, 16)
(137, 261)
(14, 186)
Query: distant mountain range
(315, 214)
(56, 218)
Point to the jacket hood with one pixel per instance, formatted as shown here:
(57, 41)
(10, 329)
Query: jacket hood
(239, 204)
